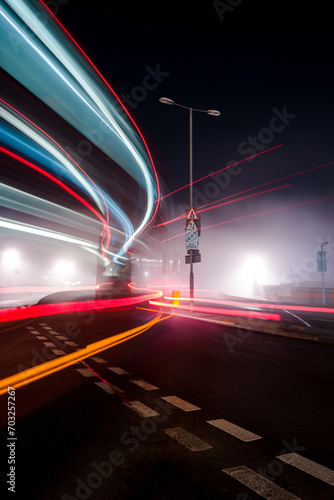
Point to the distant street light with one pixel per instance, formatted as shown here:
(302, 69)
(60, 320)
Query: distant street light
(212, 112)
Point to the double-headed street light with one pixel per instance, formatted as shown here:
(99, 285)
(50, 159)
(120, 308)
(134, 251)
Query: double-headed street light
(212, 112)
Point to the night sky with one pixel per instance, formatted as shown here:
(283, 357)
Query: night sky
(268, 68)
(260, 56)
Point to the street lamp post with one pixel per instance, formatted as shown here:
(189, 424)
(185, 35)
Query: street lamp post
(324, 243)
(212, 112)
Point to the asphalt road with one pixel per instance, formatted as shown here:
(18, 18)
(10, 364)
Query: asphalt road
(101, 429)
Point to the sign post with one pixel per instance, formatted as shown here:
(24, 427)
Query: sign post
(192, 234)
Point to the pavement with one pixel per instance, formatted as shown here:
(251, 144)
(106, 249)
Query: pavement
(283, 329)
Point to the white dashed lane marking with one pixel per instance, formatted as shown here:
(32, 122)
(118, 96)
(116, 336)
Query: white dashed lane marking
(234, 430)
(59, 352)
(110, 389)
(85, 372)
(259, 484)
(49, 344)
(117, 370)
(180, 403)
(308, 466)
(145, 385)
(193, 443)
(97, 359)
(142, 410)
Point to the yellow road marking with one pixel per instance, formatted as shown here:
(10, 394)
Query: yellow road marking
(33, 374)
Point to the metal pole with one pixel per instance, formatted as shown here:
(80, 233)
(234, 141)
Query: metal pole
(191, 276)
(323, 275)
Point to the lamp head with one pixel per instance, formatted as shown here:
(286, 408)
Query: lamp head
(165, 100)
(213, 112)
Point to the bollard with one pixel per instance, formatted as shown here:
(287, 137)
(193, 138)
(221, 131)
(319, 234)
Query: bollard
(175, 293)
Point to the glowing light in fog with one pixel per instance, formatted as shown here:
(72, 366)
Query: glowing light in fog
(11, 258)
(252, 272)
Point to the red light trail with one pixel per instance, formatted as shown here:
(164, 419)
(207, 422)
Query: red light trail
(216, 310)
(105, 222)
(55, 180)
(225, 168)
(257, 214)
(40, 310)
(262, 305)
(226, 203)
(249, 189)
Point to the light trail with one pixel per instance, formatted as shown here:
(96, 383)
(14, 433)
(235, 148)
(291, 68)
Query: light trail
(55, 180)
(58, 148)
(200, 210)
(270, 182)
(219, 311)
(146, 222)
(261, 305)
(29, 229)
(246, 190)
(44, 289)
(64, 73)
(40, 310)
(46, 369)
(257, 215)
(217, 171)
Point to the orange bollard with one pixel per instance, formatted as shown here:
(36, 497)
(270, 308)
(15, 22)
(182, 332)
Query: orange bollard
(176, 293)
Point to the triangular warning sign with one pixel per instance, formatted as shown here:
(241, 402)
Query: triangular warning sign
(191, 226)
(192, 215)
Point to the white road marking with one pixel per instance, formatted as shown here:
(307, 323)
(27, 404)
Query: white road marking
(310, 467)
(42, 324)
(30, 327)
(261, 485)
(234, 430)
(35, 332)
(61, 337)
(108, 388)
(97, 359)
(180, 403)
(40, 337)
(49, 344)
(144, 385)
(142, 410)
(85, 372)
(53, 332)
(47, 327)
(72, 344)
(118, 370)
(193, 443)
(59, 352)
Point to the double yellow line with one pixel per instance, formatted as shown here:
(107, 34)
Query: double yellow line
(44, 370)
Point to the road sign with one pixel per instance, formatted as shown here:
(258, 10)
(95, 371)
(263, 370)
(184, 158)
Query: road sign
(321, 261)
(191, 226)
(191, 240)
(192, 215)
(196, 258)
